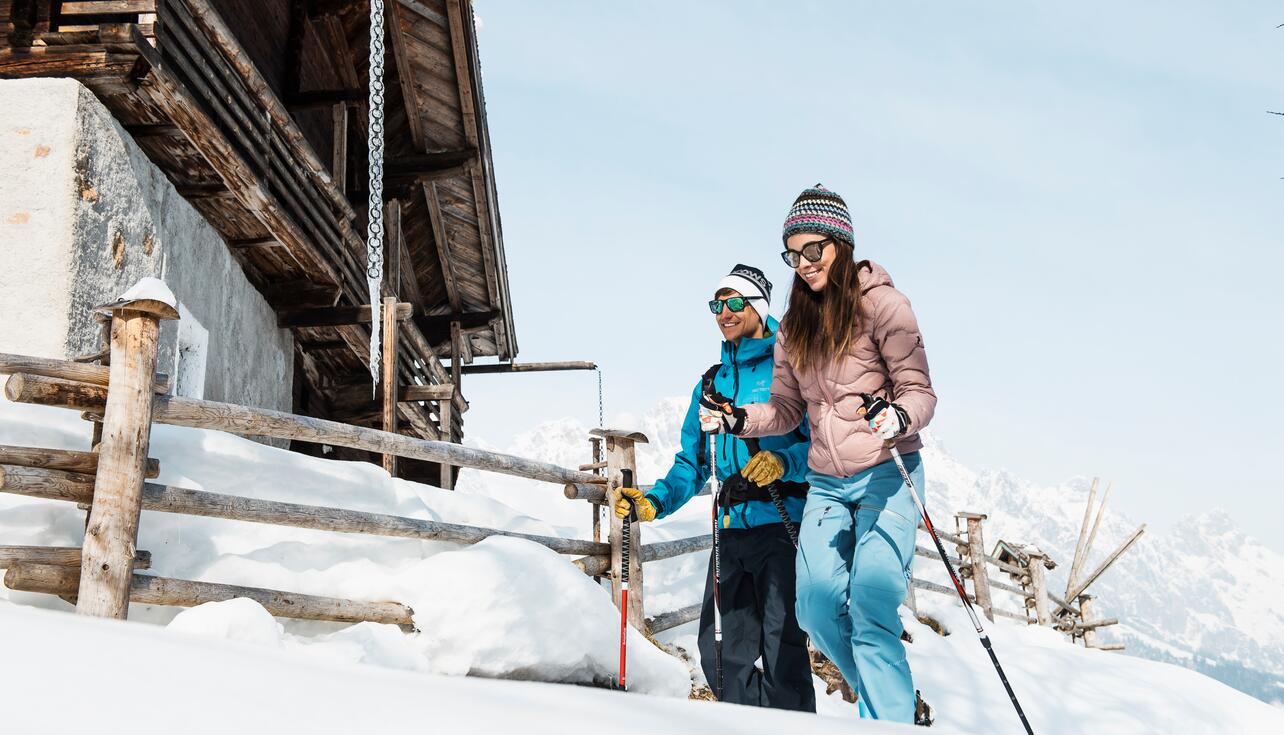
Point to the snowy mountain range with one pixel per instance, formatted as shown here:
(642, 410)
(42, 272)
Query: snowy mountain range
(1202, 595)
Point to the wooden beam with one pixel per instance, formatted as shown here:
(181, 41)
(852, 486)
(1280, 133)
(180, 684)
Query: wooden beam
(200, 414)
(1101, 568)
(62, 556)
(389, 377)
(406, 75)
(111, 534)
(1087, 546)
(976, 555)
(149, 590)
(676, 547)
(339, 146)
(442, 245)
(443, 392)
(69, 487)
(62, 459)
(674, 618)
(108, 7)
(334, 316)
(594, 566)
(621, 455)
(426, 164)
(528, 367)
(253, 242)
(1077, 561)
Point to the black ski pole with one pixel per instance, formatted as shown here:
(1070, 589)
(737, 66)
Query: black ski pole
(717, 567)
(958, 586)
(776, 500)
(626, 525)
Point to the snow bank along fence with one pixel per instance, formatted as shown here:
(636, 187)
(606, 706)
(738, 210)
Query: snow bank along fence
(1022, 574)
(124, 396)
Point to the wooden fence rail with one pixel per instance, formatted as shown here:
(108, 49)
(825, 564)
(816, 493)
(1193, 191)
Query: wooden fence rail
(200, 414)
(69, 486)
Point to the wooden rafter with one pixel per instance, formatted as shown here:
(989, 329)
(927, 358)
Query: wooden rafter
(406, 74)
(442, 245)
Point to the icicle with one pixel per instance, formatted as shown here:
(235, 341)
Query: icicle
(374, 216)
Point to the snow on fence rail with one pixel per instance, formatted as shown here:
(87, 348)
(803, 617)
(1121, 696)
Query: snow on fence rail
(124, 396)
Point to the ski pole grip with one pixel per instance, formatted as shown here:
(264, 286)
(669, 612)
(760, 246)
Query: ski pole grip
(753, 445)
(626, 480)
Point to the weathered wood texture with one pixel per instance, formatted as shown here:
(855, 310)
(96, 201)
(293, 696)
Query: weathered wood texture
(62, 459)
(594, 566)
(1039, 588)
(621, 455)
(1103, 566)
(247, 421)
(62, 556)
(595, 494)
(111, 534)
(150, 590)
(55, 485)
(529, 367)
(389, 377)
(676, 547)
(976, 558)
(674, 618)
(67, 370)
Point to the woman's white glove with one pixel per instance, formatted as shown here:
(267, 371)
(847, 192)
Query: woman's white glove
(887, 420)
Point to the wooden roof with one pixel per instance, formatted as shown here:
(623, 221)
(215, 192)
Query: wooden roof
(255, 110)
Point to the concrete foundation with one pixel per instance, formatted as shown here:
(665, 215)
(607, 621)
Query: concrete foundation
(83, 215)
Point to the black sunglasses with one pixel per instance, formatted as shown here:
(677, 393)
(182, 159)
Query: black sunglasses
(811, 251)
(735, 303)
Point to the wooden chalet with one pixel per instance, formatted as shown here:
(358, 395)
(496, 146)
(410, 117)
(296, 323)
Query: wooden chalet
(256, 110)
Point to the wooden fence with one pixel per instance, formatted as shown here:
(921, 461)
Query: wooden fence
(124, 396)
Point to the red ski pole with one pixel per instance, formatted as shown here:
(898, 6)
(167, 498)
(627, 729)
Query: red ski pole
(626, 477)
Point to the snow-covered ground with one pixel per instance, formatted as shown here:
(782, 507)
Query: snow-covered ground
(502, 609)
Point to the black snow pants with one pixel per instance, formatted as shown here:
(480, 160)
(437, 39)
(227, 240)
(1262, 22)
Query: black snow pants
(758, 621)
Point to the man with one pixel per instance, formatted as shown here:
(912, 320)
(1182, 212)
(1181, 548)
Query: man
(757, 557)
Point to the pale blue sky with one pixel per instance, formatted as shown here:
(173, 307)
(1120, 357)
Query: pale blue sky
(1084, 203)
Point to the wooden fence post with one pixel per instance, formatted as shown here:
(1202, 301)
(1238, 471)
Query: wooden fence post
(620, 455)
(597, 509)
(1087, 615)
(1039, 585)
(976, 561)
(107, 561)
(389, 376)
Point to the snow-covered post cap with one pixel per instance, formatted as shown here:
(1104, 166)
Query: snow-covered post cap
(150, 296)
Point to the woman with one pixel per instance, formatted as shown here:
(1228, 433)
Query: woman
(850, 357)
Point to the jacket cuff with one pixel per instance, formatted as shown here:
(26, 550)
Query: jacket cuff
(659, 507)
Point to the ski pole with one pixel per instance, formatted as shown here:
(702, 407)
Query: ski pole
(626, 477)
(779, 502)
(958, 586)
(717, 566)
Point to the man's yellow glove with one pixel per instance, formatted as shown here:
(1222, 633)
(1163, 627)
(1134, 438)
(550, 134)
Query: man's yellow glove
(763, 469)
(646, 511)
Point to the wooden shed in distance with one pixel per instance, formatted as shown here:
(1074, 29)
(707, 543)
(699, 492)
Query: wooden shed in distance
(256, 113)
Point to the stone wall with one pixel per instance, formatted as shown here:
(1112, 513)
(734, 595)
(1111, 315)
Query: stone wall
(83, 215)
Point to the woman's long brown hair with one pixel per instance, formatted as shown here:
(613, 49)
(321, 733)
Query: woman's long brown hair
(820, 325)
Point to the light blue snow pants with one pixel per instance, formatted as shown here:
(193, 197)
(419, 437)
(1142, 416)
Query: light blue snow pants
(855, 546)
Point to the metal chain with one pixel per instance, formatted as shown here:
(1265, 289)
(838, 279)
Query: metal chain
(374, 214)
(601, 416)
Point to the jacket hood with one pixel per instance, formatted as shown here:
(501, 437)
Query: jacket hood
(873, 275)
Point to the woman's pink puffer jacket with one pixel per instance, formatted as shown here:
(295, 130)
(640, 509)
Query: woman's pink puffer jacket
(887, 359)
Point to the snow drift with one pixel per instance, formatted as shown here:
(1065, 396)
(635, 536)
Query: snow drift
(504, 608)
